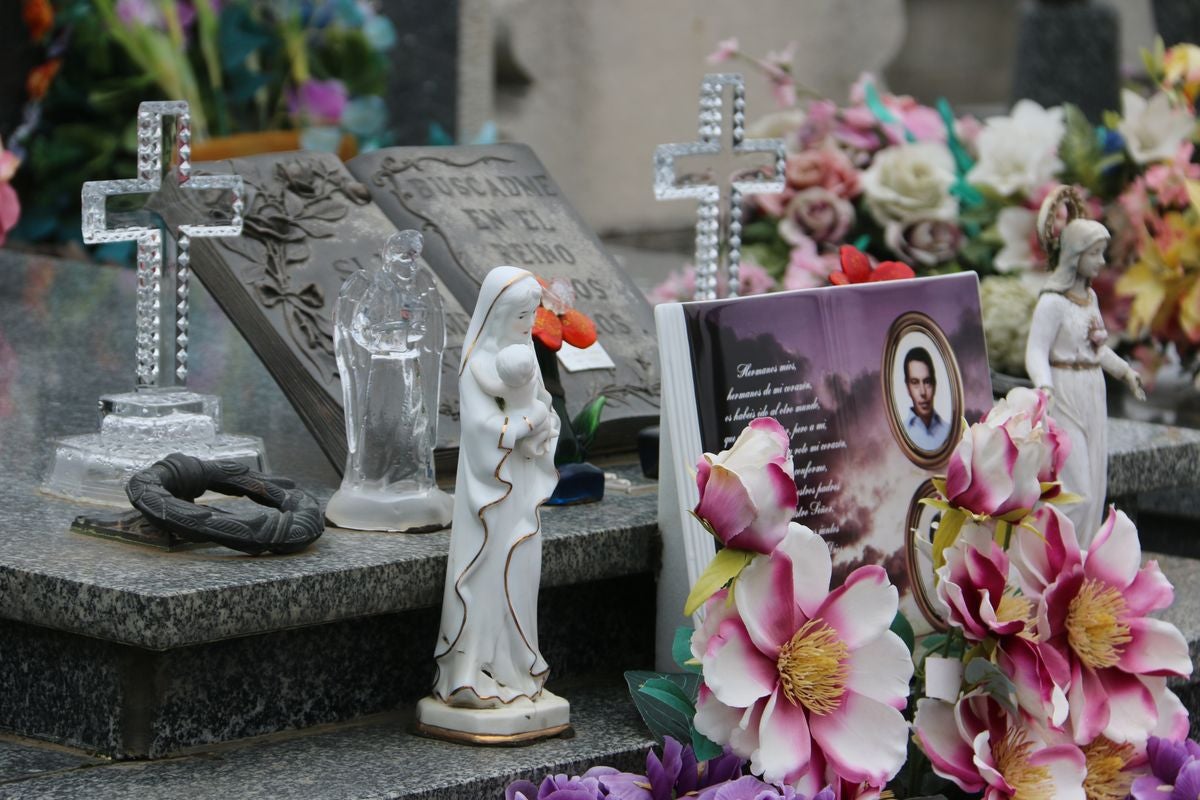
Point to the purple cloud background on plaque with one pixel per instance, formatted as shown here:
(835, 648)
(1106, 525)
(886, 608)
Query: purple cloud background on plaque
(836, 337)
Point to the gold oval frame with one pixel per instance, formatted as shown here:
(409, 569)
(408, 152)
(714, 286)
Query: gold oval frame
(909, 322)
(926, 604)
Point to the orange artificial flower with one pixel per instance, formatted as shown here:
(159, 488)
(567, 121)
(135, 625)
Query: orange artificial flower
(38, 82)
(39, 18)
(558, 320)
(856, 268)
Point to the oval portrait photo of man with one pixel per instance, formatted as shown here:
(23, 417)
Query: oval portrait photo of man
(922, 390)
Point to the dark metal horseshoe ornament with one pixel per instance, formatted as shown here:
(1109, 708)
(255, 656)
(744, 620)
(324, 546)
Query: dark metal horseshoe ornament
(164, 493)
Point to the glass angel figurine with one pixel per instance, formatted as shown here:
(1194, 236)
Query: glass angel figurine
(389, 334)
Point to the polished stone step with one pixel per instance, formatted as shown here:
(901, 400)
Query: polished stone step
(371, 760)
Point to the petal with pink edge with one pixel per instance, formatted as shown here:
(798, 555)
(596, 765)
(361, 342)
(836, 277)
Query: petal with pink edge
(717, 609)
(775, 430)
(1172, 715)
(764, 600)
(734, 669)
(861, 608)
(951, 756)
(1115, 554)
(1088, 703)
(784, 742)
(1132, 709)
(811, 567)
(881, 670)
(1150, 591)
(726, 504)
(863, 739)
(1157, 648)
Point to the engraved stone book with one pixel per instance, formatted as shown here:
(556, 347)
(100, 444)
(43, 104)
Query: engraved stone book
(310, 221)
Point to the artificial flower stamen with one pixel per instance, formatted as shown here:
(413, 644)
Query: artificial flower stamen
(812, 667)
(1106, 776)
(1096, 629)
(1015, 607)
(1028, 781)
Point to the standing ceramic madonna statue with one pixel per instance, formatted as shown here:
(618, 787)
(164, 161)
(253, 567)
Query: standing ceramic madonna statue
(1067, 350)
(388, 335)
(490, 672)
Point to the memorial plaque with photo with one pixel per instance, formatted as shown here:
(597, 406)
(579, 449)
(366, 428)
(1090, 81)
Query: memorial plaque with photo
(481, 207)
(873, 382)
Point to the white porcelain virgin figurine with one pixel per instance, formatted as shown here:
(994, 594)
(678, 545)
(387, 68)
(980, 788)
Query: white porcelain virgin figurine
(1066, 352)
(389, 335)
(490, 672)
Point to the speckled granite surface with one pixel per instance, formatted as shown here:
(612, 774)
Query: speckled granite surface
(124, 702)
(66, 336)
(366, 762)
(21, 760)
(1145, 457)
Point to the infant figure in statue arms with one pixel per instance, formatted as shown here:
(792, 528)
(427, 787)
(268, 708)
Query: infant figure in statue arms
(389, 334)
(490, 672)
(1067, 350)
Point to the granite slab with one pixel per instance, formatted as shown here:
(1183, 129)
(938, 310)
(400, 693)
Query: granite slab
(21, 760)
(127, 702)
(66, 336)
(371, 761)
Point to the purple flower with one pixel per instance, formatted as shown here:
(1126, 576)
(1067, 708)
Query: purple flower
(558, 787)
(318, 102)
(1175, 771)
(751, 788)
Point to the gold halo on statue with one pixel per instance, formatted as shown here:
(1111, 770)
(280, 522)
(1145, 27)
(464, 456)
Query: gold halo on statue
(1048, 218)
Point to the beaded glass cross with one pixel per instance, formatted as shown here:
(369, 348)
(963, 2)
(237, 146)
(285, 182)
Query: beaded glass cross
(160, 264)
(709, 188)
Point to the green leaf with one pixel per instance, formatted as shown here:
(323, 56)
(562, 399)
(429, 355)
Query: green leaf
(587, 421)
(984, 674)
(704, 747)
(681, 649)
(666, 701)
(902, 628)
(726, 565)
(1080, 150)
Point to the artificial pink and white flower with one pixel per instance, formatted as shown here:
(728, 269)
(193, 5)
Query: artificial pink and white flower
(999, 467)
(1017, 227)
(748, 492)
(796, 676)
(1093, 611)
(982, 601)
(824, 166)
(982, 748)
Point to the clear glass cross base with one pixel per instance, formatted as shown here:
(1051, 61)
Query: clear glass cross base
(137, 429)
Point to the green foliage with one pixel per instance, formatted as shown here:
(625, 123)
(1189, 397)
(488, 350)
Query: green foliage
(983, 674)
(667, 703)
(681, 649)
(903, 628)
(585, 424)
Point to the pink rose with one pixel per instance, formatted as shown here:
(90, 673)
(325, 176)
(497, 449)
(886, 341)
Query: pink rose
(748, 492)
(816, 213)
(826, 167)
(808, 269)
(925, 241)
